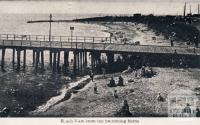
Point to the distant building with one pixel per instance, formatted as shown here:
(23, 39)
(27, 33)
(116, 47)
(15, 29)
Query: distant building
(137, 15)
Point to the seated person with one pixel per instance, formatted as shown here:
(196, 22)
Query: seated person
(187, 109)
(197, 112)
(160, 98)
(112, 83)
(124, 111)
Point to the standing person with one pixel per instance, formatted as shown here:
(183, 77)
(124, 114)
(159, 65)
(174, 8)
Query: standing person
(95, 88)
(121, 81)
(91, 75)
(115, 94)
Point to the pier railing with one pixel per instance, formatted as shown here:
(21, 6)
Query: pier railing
(55, 38)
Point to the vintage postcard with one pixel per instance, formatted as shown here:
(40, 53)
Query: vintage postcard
(99, 61)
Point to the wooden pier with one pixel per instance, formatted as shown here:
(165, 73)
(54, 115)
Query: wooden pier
(81, 46)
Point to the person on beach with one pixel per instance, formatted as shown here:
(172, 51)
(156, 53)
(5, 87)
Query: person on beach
(91, 75)
(121, 81)
(124, 111)
(112, 83)
(115, 94)
(197, 112)
(187, 109)
(143, 71)
(95, 88)
(160, 98)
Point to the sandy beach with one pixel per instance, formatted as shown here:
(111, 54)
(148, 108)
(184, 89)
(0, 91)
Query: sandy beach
(141, 94)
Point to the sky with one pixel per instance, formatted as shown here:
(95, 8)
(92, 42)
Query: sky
(95, 6)
(113, 0)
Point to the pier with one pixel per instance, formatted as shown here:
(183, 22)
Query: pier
(128, 54)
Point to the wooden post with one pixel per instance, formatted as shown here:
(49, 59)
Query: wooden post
(13, 58)
(54, 62)
(110, 59)
(74, 66)
(24, 65)
(42, 59)
(78, 58)
(58, 61)
(84, 67)
(66, 62)
(3, 57)
(18, 59)
(34, 58)
(50, 58)
(85, 59)
(92, 61)
(37, 59)
(81, 61)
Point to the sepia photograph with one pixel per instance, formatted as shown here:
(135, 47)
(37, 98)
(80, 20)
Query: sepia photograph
(99, 58)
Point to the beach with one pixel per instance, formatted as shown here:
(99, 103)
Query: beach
(140, 92)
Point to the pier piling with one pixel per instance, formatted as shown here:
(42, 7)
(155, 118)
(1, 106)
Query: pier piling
(37, 59)
(24, 59)
(58, 62)
(3, 58)
(50, 58)
(74, 65)
(13, 57)
(42, 60)
(34, 58)
(66, 61)
(18, 59)
(54, 61)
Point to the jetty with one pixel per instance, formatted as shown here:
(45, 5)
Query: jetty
(164, 56)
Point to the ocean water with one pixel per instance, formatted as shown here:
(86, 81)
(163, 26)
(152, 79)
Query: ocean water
(17, 24)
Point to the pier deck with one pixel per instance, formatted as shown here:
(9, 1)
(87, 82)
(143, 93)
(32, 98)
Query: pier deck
(104, 44)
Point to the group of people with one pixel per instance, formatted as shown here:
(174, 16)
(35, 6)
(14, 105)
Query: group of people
(147, 72)
(187, 111)
(112, 82)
